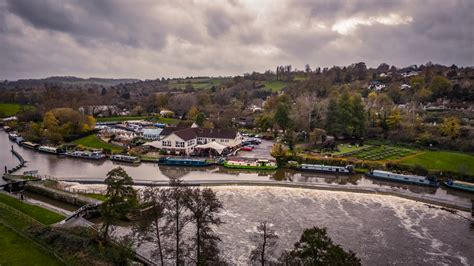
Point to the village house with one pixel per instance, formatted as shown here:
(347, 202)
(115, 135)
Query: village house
(194, 140)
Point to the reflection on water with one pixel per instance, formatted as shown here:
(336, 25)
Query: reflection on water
(72, 168)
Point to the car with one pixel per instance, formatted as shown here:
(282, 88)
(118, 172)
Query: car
(247, 148)
(258, 136)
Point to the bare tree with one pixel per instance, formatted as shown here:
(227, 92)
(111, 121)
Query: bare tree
(204, 205)
(177, 216)
(151, 225)
(266, 240)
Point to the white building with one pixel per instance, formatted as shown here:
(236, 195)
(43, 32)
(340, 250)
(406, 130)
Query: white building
(185, 141)
(152, 133)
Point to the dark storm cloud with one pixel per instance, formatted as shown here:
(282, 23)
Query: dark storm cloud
(149, 39)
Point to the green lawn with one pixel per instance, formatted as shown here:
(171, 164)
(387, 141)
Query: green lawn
(275, 85)
(120, 118)
(443, 161)
(96, 196)
(10, 109)
(92, 141)
(43, 216)
(344, 148)
(17, 250)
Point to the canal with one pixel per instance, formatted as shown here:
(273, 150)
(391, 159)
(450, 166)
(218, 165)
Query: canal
(380, 229)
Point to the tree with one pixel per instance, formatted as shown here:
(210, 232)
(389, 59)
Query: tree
(279, 153)
(281, 116)
(315, 247)
(359, 120)
(345, 114)
(193, 112)
(151, 225)
(121, 199)
(394, 119)
(204, 205)
(264, 122)
(450, 127)
(440, 86)
(265, 240)
(332, 117)
(177, 217)
(200, 119)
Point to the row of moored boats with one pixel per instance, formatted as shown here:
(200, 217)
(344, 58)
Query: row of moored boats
(256, 164)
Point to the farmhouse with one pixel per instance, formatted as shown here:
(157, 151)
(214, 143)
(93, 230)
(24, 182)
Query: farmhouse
(194, 140)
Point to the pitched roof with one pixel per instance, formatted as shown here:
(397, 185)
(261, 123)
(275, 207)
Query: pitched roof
(191, 133)
(186, 134)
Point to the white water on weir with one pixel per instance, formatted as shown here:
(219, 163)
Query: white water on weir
(380, 229)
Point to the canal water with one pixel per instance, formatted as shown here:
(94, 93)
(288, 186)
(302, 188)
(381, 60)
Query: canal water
(380, 229)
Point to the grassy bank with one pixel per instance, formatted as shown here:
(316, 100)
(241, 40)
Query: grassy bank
(443, 161)
(92, 141)
(43, 216)
(18, 250)
(10, 109)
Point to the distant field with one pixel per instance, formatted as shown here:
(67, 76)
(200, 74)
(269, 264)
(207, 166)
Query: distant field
(17, 250)
(275, 85)
(197, 83)
(92, 141)
(443, 161)
(43, 216)
(10, 109)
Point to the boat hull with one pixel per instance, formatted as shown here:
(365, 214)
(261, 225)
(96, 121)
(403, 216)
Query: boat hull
(453, 186)
(324, 171)
(250, 167)
(184, 163)
(430, 184)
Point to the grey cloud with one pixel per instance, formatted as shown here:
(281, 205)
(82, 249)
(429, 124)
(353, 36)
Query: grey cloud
(149, 39)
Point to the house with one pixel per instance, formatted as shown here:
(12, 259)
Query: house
(404, 87)
(152, 133)
(191, 140)
(376, 85)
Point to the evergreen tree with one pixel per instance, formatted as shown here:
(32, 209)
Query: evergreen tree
(332, 118)
(359, 119)
(345, 115)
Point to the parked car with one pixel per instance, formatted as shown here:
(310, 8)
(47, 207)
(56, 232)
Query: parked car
(247, 148)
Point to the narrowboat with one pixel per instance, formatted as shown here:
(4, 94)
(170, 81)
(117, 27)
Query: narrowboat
(461, 185)
(348, 169)
(256, 165)
(125, 158)
(19, 140)
(95, 155)
(183, 162)
(30, 145)
(412, 179)
(48, 149)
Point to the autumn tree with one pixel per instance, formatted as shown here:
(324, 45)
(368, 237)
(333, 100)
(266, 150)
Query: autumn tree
(315, 247)
(281, 116)
(265, 240)
(450, 127)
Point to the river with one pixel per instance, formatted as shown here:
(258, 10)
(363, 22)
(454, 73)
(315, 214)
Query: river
(380, 229)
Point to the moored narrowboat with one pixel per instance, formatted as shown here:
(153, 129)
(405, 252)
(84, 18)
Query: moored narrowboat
(125, 158)
(412, 179)
(30, 145)
(48, 149)
(254, 165)
(95, 155)
(183, 161)
(461, 185)
(348, 169)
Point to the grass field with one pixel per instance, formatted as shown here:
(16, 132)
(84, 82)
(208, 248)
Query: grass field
(17, 250)
(197, 83)
(443, 161)
(275, 85)
(345, 148)
(96, 196)
(10, 109)
(43, 216)
(92, 141)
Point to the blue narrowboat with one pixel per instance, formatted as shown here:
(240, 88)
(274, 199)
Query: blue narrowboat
(412, 179)
(461, 185)
(183, 161)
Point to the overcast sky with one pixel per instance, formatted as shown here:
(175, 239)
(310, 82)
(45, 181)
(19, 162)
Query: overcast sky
(151, 39)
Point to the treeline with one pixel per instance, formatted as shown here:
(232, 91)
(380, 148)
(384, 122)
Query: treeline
(180, 222)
